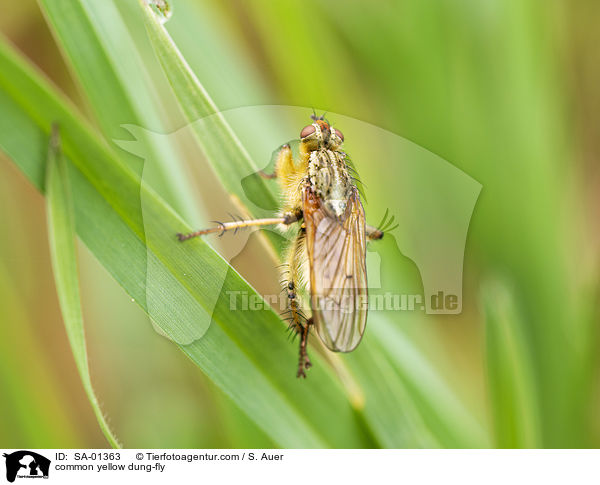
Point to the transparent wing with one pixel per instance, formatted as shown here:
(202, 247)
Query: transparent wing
(336, 251)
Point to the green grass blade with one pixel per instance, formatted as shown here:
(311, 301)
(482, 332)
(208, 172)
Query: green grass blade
(123, 86)
(230, 76)
(61, 234)
(513, 390)
(229, 159)
(245, 353)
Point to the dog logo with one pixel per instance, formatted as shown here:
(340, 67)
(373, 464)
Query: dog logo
(26, 464)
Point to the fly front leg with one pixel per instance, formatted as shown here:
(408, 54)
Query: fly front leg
(283, 164)
(266, 175)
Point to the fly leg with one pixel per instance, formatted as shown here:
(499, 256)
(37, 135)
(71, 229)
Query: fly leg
(303, 360)
(287, 219)
(386, 225)
(298, 322)
(266, 175)
(300, 325)
(373, 234)
(284, 164)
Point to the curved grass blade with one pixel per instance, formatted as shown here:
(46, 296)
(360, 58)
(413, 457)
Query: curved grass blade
(61, 235)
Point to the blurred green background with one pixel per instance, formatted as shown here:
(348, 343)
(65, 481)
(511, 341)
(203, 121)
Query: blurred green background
(505, 90)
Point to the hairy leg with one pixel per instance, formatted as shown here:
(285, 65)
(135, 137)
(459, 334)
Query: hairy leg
(386, 225)
(222, 227)
(298, 322)
(373, 234)
(283, 165)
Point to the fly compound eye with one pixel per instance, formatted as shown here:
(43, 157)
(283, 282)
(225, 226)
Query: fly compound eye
(307, 131)
(339, 133)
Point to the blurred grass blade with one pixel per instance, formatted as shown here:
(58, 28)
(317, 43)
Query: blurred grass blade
(109, 221)
(61, 234)
(512, 388)
(447, 418)
(28, 413)
(390, 409)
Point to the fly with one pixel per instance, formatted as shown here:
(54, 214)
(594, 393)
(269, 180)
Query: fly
(321, 205)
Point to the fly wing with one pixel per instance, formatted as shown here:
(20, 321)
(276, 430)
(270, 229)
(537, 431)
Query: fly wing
(336, 251)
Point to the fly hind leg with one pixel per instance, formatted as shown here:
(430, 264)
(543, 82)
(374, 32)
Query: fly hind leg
(303, 360)
(301, 326)
(298, 322)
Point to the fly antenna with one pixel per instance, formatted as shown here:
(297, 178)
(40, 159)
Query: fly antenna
(314, 116)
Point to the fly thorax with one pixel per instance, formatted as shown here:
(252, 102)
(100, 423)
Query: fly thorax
(329, 179)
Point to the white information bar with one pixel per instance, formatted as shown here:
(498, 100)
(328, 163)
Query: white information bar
(305, 467)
